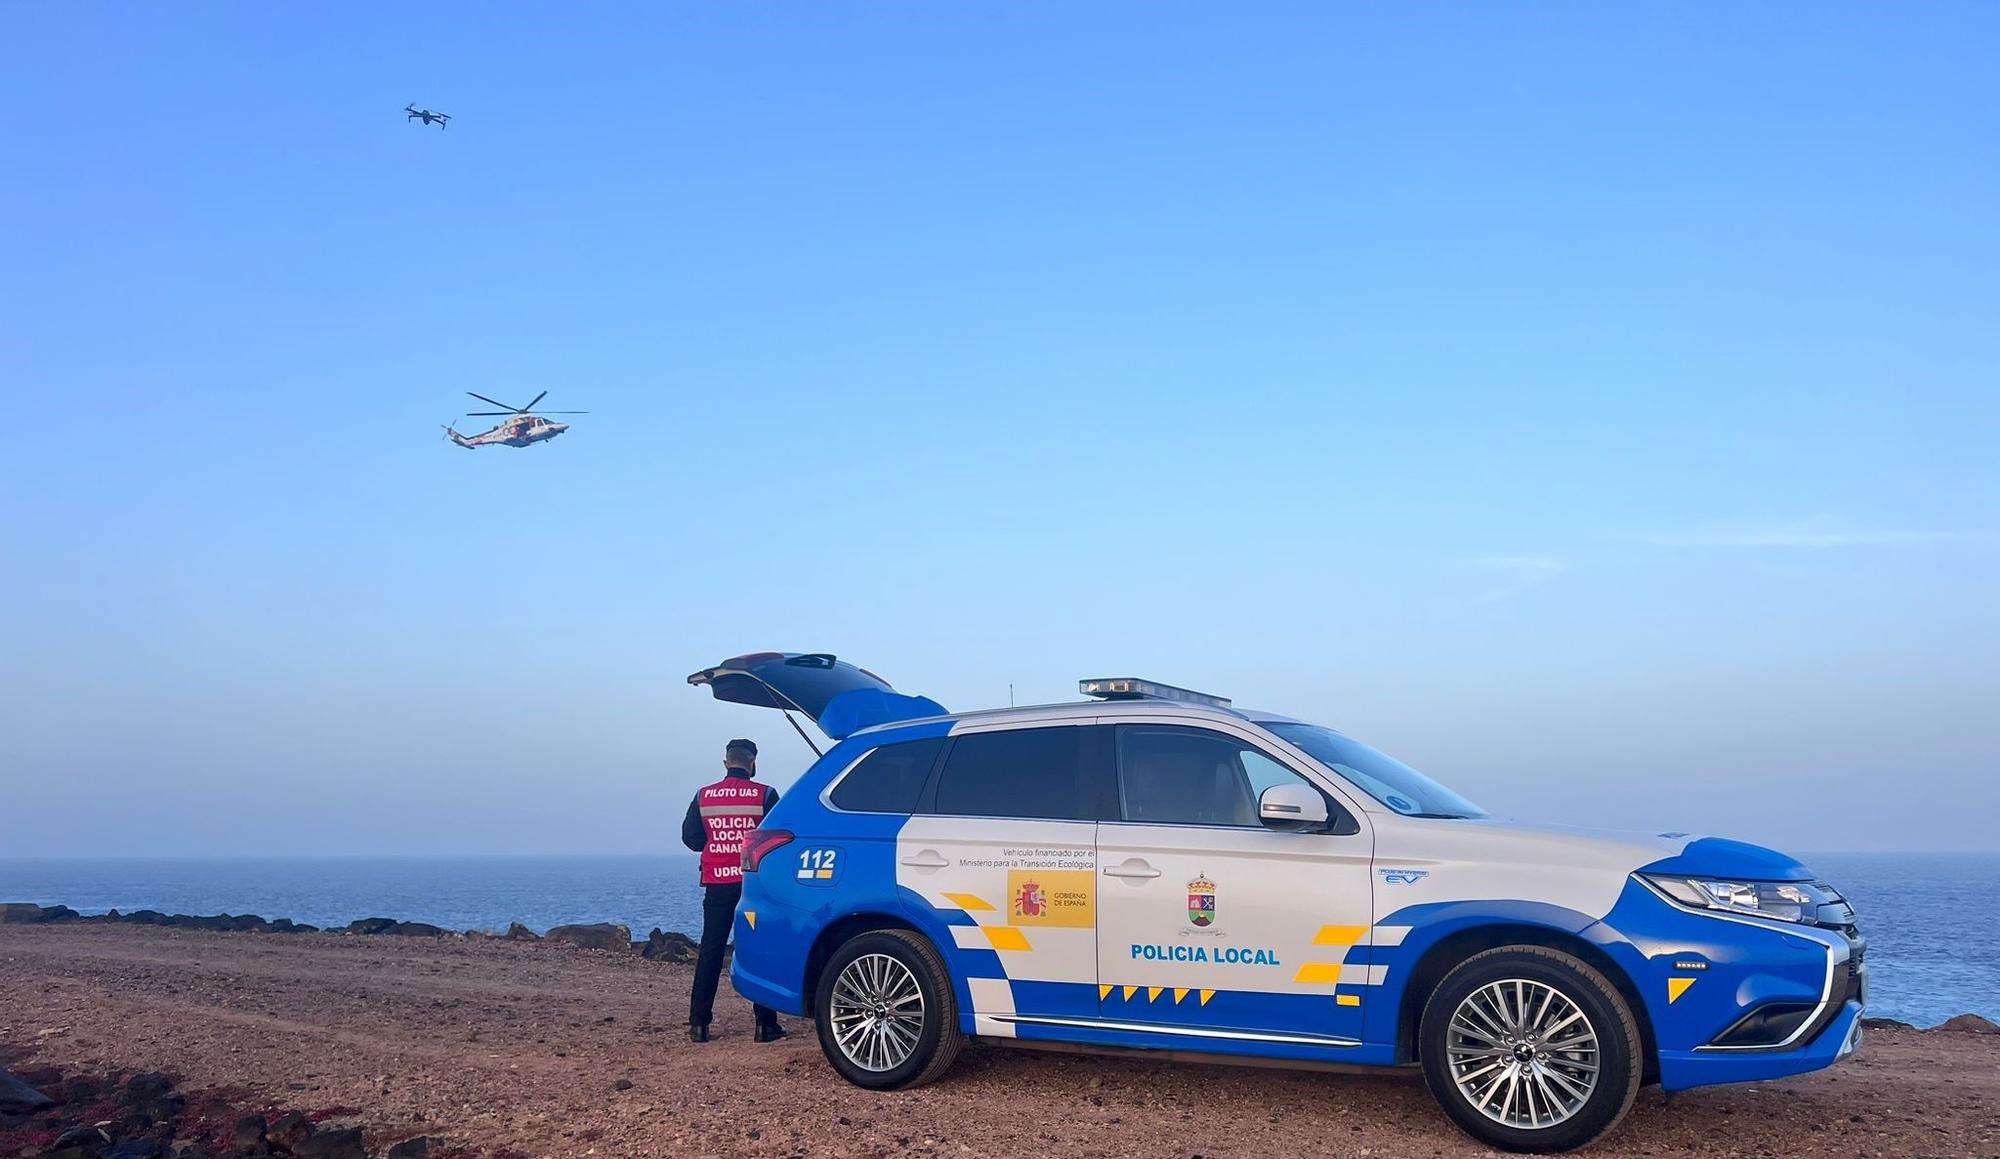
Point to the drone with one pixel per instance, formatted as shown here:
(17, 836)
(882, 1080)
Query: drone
(521, 428)
(427, 116)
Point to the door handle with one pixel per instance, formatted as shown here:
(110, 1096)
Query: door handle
(928, 859)
(1131, 867)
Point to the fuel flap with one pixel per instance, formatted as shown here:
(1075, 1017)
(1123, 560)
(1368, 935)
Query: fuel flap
(841, 698)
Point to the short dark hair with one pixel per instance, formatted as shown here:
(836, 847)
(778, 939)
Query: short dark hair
(743, 748)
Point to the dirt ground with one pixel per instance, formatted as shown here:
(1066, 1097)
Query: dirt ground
(524, 1048)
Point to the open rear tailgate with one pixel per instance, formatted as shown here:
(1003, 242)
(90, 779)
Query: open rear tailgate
(841, 698)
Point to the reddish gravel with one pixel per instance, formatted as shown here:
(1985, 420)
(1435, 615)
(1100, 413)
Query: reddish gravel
(520, 1047)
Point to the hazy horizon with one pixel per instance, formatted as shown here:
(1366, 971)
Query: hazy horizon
(1594, 407)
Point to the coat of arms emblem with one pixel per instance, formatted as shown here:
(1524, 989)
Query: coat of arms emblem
(1201, 901)
(1030, 901)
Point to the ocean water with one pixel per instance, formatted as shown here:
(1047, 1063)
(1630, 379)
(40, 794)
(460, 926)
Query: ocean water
(1934, 939)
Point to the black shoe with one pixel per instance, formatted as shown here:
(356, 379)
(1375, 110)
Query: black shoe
(771, 1033)
(698, 1033)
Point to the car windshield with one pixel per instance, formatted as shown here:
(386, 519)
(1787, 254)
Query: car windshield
(1382, 777)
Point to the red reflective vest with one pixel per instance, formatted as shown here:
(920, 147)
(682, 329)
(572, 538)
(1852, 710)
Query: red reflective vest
(730, 809)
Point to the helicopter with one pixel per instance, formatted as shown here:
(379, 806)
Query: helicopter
(521, 428)
(427, 116)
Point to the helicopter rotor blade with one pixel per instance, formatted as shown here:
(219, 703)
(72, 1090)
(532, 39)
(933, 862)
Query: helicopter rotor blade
(487, 414)
(562, 412)
(534, 400)
(497, 402)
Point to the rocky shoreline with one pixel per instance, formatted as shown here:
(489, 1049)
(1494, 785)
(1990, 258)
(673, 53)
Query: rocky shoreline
(661, 945)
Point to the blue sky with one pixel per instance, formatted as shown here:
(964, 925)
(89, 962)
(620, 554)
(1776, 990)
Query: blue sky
(1594, 405)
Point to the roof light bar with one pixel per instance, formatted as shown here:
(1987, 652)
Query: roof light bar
(1132, 688)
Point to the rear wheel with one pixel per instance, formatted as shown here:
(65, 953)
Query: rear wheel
(886, 1012)
(1530, 1049)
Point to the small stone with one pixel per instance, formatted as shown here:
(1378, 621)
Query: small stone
(417, 1148)
(20, 1098)
(249, 1133)
(344, 1143)
(622, 1085)
(290, 1130)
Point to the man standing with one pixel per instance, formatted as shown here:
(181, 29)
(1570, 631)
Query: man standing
(718, 819)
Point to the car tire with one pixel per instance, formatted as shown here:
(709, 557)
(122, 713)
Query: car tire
(1507, 1038)
(881, 970)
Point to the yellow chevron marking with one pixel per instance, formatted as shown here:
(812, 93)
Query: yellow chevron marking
(1339, 935)
(1318, 973)
(1180, 992)
(1104, 992)
(1206, 995)
(1348, 999)
(1129, 991)
(750, 916)
(1677, 987)
(968, 901)
(1153, 993)
(1006, 938)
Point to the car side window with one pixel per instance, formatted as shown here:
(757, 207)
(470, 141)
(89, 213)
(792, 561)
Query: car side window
(890, 779)
(1056, 774)
(1169, 775)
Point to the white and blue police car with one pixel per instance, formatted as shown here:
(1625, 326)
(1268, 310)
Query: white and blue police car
(1154, 869)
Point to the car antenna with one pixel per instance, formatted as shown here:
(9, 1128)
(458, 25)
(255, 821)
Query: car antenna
(802, 733)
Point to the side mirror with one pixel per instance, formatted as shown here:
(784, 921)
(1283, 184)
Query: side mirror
(1292, 809)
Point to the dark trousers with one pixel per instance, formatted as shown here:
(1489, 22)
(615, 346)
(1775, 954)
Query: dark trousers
(718, 915)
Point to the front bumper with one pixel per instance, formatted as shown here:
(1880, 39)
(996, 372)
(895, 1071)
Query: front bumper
(1681, 1069)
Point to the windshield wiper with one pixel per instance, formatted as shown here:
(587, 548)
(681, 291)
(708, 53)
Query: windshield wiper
(1442, 816)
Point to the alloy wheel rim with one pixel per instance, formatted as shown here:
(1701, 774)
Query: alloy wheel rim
(876, 1012)
(1522, 1053)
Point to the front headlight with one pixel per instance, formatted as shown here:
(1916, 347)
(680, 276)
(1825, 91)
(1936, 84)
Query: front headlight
(1787, 901)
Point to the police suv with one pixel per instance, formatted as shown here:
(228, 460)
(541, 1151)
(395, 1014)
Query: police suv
(1155, 869)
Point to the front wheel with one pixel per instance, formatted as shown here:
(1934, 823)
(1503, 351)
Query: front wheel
(1530, 1049)
(886, 1012)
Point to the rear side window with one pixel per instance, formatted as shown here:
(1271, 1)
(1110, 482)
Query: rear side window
(1055, 774)
(889, 779)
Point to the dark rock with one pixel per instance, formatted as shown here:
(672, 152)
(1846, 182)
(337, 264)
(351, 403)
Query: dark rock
(137, 1149)
(669, 947)
(28, 913)
(516, 932)
(622, 1085)
(249, 1133)
(80, 1141)
(344, 1143)
(18, 1098)
(222, 923)
(1885, 1024)
(417, 1148)
(290, 1131)
(416, 930)
(147, 917)
(371, 925)
(595, 936)
(149, 1085)
(1969, 1024)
